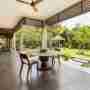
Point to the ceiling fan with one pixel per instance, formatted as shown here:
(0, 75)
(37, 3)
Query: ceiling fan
(32, 3)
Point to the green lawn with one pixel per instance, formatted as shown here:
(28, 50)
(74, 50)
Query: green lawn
(83, 53)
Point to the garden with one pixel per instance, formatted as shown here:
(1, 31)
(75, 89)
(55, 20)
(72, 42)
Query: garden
(75, 45)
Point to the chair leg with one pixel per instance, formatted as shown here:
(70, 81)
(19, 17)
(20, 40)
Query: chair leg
(37, 69)
(53, 60)
(29, 67)
(20, 73)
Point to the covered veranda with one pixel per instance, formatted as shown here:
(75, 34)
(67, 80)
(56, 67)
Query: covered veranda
(62, 77)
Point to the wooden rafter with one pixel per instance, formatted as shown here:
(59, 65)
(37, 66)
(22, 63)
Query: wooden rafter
(23, 21)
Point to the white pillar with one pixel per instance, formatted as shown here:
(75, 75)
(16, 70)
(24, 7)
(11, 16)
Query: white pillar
(44, 38)
(14, 41)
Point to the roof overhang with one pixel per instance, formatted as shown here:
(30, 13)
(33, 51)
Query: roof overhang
(76, 8)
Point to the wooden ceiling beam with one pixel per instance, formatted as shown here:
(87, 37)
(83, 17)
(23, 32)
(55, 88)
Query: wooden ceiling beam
(79, 8)
(32, 22)
(23, 21)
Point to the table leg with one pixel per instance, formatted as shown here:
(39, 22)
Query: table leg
(53, 60)
(44, 65)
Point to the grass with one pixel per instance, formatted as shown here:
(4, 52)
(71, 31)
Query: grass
(83, 53)
(86, 65)
(69, 53)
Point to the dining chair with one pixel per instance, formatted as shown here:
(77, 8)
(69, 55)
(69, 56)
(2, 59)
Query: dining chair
(54, 59)
(25, 60)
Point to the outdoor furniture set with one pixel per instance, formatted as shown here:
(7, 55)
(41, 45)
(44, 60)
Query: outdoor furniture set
(43, 57)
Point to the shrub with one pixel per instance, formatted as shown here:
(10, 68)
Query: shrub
(81, 52)
(67, 56)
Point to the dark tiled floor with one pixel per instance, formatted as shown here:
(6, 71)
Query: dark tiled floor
(61, 77)
(7, 72)
(66, 78)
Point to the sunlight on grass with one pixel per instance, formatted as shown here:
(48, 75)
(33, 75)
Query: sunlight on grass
(83, 54)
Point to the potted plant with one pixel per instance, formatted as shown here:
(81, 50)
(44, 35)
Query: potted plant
(43, 58)
(67, 57)
(43, 50)
(57, 49)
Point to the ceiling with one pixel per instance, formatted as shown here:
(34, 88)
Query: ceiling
(11, 11)
(46, 8)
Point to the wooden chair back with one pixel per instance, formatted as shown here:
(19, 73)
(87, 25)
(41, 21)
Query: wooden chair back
(24, 58)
